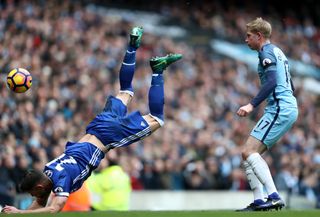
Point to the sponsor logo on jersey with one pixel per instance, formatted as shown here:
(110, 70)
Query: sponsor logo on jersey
(58, 189)
(266, 62)
(142, 124)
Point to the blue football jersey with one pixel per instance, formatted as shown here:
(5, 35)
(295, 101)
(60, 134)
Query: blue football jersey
(271, 58)
(73, 167)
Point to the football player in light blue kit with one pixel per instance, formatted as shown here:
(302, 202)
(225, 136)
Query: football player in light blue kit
(112, 128)
(280, 113)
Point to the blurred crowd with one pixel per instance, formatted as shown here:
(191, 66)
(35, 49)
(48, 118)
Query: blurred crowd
(294, 27)
(74, 56)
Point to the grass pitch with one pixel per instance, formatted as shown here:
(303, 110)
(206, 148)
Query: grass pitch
(211, 213)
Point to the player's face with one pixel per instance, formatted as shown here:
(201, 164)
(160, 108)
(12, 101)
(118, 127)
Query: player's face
(252, 40)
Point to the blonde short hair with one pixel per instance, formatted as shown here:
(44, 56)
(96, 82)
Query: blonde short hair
(260, 25)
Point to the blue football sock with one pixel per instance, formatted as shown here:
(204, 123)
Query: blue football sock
(156, 96)
(127, 70)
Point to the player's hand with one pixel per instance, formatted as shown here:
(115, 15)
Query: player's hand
(10, 209)
(245, 110)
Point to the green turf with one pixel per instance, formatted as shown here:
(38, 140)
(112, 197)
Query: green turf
(284, 213)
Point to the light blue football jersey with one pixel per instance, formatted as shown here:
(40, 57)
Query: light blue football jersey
(281, 111)
(271, 58)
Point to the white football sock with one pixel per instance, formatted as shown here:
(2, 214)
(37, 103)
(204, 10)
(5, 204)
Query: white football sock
(261, 169)
(254, 182)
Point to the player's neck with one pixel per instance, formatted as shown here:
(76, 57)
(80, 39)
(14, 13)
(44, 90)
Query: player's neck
(264, 43)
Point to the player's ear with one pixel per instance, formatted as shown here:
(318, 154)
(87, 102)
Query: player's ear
(39, 186)
(42, 185)
(259, 35)
(41, 189)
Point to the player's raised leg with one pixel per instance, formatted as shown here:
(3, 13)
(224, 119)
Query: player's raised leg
(156, 92)
(128, 66)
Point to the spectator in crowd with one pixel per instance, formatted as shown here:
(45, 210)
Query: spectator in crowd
(7, 178)
(79, 200)
(110, 187)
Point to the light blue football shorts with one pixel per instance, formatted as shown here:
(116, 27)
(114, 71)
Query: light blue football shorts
(274, 124)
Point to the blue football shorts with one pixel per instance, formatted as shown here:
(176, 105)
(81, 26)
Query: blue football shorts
(115, 128)
(274, 124)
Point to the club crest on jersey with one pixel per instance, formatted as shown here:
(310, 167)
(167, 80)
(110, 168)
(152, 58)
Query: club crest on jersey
(266, 62)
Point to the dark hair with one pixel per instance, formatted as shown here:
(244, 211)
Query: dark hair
(30, 180)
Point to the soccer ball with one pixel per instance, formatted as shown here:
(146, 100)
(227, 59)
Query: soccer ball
(19, 80)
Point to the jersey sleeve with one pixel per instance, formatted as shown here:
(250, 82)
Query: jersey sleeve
(62, 184)
(266, 89)
(268, 60)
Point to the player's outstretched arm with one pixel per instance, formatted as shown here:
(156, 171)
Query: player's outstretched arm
(55, 206)
(11, 209)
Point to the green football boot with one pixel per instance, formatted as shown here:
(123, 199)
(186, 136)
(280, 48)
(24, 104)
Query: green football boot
(135, 36)
(161, 63)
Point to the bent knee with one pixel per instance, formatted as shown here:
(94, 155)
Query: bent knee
(245, 153)
(251, 146)
(154, 122)
(125, 97)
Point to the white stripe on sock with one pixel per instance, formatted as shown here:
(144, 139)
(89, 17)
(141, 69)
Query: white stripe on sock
(131, 51)
(127, 91)
(128, 64)
(161, 122)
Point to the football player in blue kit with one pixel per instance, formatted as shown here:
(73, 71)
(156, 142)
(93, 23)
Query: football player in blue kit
(280, 113)
(112, 128)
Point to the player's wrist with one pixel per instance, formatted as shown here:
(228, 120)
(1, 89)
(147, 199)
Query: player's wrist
(252, 104)
(22, 211)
